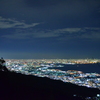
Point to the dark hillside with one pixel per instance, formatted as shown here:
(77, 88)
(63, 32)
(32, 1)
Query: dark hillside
(15, 86)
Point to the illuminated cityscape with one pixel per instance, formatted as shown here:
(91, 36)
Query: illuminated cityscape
(46, 68)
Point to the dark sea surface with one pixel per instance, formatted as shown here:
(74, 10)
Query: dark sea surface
(85, 68)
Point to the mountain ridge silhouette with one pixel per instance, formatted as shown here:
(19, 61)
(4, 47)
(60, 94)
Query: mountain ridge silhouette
(16, 86)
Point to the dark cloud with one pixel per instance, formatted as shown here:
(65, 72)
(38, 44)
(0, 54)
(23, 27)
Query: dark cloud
(49, 10)
(39, 3)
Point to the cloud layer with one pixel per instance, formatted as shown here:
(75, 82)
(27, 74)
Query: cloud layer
(63, 34)
(68, 27)
(11, 23)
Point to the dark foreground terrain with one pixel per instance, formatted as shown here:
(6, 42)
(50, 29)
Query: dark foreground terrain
(15, 86)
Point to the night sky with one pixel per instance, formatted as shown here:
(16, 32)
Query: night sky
(37, 29)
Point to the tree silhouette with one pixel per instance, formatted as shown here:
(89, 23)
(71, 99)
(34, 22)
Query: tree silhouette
(2, 65)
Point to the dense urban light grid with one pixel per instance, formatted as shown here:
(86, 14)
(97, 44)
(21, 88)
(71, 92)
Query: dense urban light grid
(41, 67)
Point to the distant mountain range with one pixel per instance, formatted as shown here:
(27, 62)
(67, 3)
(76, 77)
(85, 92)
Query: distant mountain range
(16, 86)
